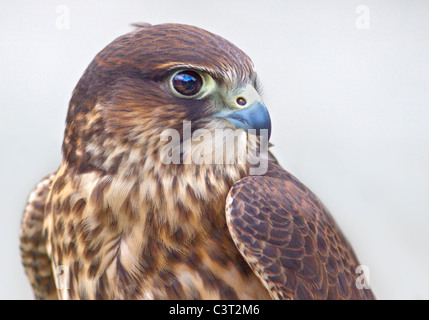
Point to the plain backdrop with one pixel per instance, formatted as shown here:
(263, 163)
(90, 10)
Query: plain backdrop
(348, 99)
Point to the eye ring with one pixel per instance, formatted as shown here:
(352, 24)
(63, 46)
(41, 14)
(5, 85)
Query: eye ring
(241, 101)
(187, 83)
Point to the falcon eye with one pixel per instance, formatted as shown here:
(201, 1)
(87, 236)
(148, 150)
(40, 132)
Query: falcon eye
(241, 101)
(187, 83)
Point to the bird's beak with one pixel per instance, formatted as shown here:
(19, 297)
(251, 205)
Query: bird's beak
(256, 117)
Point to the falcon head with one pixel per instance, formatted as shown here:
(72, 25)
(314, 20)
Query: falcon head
(156, 78)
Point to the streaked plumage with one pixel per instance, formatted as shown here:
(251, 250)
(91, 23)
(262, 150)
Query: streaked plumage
(119, 224)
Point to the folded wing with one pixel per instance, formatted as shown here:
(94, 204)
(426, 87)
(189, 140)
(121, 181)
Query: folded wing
(290, 240)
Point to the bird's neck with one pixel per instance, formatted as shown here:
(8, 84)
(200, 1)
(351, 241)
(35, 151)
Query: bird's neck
(132, 184)
(174, 203)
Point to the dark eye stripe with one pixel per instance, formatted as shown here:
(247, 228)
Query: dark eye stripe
(187, 83)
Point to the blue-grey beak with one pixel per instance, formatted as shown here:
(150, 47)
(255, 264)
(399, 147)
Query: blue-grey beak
(254, 117)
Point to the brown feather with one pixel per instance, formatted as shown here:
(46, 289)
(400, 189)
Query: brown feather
(36, 262)
(290, 239)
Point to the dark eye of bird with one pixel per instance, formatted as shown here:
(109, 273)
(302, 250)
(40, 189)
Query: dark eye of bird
(241, 101)
(187, 83)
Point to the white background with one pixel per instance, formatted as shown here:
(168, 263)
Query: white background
(349, 108)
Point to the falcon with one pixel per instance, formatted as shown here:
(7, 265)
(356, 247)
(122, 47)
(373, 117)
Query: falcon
(118, 221)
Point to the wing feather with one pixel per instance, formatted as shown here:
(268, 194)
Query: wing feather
(290, 240)
(36, 262)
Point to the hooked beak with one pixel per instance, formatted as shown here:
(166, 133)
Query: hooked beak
(254, 117)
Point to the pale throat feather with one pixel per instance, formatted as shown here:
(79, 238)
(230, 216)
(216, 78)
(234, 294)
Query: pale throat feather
(173, 198)
(175, 202)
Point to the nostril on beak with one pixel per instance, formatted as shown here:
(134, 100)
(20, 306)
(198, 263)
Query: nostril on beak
(255, 116)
